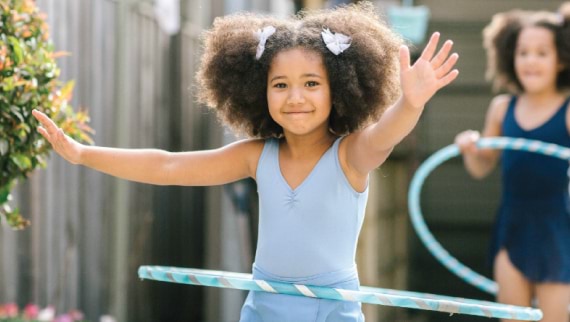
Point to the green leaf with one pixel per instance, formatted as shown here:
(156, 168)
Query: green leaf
(17, 49)
(5, 194)
(17, 112)
(22, 161)
(14, 218)
(4, 146)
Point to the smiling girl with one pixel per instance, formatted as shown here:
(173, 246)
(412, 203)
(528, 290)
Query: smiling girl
(318, 96)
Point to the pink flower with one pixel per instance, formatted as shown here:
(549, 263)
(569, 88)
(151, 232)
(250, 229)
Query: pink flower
(10, 310)
(64, 318)
(31, 311)
(76, 315)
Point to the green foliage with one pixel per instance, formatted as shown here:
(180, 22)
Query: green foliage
(29, 80)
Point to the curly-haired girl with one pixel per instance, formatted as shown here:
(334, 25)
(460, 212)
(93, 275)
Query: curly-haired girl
(529, 56)
(312, 93)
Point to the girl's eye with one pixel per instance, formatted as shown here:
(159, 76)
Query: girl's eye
(543, 54)
(280, 85)
(311, 84)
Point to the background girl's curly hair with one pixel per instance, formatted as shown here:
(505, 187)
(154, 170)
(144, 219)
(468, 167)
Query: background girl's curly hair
(500, 40)
(364, 78)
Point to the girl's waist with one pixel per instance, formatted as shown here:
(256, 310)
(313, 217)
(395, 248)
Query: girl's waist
(323, 279)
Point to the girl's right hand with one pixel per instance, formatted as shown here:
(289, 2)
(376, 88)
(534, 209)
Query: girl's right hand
(466, 141)
(65, 146)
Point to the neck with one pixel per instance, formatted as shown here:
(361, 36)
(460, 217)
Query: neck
(304, 146)
(542, 98)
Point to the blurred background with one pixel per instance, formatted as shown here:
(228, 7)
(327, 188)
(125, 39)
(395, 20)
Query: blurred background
(134, 63)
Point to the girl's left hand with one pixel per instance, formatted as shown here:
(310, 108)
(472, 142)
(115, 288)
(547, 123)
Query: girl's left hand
(429, 73)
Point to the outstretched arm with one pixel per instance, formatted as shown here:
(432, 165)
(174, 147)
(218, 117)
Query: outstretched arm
(211, 167)
(369, 148)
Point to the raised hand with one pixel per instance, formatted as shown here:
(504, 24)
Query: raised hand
(429, 73)
(65, 146)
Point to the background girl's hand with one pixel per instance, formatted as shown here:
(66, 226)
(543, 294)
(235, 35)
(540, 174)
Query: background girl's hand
(466, 141)
(65, 146)
(429, 73)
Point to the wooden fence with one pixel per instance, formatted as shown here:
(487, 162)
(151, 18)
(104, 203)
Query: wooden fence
(89, 231)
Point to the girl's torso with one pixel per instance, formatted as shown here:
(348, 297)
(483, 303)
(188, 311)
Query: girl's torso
(533, 176)
(307, 235)
(533, 223)
(313, 228)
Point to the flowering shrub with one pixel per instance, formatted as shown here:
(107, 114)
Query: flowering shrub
(29, 80)
(10, 312)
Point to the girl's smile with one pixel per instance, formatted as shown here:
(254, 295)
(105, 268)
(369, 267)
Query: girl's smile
(536, 59)
(298, 92)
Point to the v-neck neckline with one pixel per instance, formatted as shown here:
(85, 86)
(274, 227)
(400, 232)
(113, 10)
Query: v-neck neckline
(308, 176)
(543, 124)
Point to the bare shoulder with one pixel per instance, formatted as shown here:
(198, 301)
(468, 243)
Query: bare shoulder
(496, 115)
(248, 150)
(498, 107)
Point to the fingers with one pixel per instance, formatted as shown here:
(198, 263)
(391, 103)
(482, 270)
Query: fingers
(442, 55)
(404, 57)
(48, 129)
(468, 136)
(447, 66)
(466, 141)
(43, 132)
(46, 122)
(443, 63)
(447, 79)
(430, 48)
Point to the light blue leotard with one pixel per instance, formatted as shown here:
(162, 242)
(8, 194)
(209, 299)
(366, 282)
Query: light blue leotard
(308, 236)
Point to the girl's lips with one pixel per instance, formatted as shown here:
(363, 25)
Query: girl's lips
(297, 111)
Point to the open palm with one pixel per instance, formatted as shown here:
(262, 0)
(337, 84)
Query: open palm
(429, 73)
(65, 146)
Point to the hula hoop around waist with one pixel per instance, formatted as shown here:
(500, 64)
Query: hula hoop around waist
(446, 153)
(369, 295)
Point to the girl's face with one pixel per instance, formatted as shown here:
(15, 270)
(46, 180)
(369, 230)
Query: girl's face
(536, 60)
(298, 92)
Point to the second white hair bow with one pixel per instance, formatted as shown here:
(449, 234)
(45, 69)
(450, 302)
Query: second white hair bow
(262, 35)
(336, 42)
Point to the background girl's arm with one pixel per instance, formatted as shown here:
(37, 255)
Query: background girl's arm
(198, 168)
(480, 162)
(368, 149)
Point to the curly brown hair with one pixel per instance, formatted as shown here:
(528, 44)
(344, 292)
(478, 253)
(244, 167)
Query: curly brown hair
(363, 79)
(500, 41)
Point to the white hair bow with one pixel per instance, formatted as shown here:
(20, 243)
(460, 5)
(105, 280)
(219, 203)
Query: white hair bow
(336, 42)
(262, 35)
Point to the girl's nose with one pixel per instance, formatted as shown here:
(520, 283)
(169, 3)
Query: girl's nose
(531, 59)
(295, 97)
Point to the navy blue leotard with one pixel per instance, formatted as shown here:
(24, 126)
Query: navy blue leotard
(533, 221)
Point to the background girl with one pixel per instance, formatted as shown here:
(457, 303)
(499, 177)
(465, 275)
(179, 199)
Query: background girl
(529, 56)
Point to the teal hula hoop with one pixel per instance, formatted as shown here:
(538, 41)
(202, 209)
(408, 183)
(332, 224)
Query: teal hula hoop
(381, 296)
(371, 295)
(445, 154)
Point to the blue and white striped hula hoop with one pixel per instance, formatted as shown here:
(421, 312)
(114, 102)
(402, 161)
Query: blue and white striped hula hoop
(445, 154)
(369, 295)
